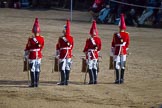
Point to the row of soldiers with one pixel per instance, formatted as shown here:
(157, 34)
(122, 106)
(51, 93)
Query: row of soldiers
(64, 47)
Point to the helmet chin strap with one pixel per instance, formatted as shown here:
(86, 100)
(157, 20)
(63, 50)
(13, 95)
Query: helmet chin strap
(36, 34)
(121, 30)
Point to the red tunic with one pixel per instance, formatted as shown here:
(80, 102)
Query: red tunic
(35, 48)
(92, 49)
(120, 43)
(65, 46)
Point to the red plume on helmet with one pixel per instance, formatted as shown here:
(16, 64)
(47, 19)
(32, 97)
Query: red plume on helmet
(93, 31)
(122, 24)
(36, 27)
(67, 28)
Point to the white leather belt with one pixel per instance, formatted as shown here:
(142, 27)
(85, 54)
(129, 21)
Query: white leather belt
(65, 48)
(123, 44)
(91, 50)
(34, 50)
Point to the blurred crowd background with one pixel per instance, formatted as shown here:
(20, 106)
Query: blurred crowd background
(137, 12)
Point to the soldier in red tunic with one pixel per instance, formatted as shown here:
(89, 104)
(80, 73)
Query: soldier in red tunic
(33, 51)
(91, 50)
(119, 48)
(64, 49)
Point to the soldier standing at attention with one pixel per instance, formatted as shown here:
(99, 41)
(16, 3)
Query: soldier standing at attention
(33, 51)
(119, 48)
(91, 50)
(64, 49)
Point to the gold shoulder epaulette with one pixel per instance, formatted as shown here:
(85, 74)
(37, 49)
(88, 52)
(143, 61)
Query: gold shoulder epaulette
(88, 38)
(127, 32)
(31, 36)
(61, 36)
(115, 33)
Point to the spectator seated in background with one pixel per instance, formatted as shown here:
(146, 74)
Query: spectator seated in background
(121, 8)
(103, 14)
(158, 15)
(131, 17)
(133, 12)
(151, 4)
(96, 8)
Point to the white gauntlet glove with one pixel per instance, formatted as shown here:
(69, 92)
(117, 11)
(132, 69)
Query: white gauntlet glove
(26, 53)
(57, 54)
(112, 51)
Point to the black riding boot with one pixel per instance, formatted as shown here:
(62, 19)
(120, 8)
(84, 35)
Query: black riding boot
(63, 78)
(32, 79)
(67, 76)
(122, 76)
(90, 76)
(95, 76)
(36, 79)
(117, 81)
